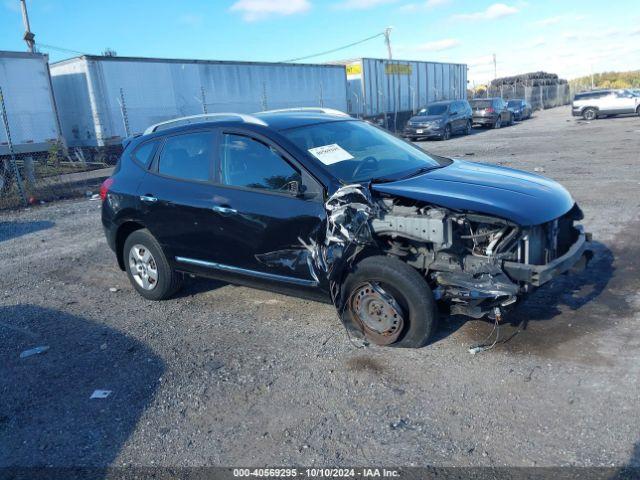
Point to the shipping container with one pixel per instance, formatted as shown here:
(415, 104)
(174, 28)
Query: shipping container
(102, 100)
(385, 87)
(28, 102)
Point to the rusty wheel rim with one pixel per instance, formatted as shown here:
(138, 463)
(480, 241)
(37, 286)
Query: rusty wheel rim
(377, 313)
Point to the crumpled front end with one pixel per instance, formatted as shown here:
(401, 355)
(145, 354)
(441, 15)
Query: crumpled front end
(477, 262)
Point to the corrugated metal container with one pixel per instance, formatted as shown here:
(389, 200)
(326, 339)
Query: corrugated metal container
(104, 99)
(377, 86)
(28, 99)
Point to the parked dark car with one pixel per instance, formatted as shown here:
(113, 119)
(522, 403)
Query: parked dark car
(520, 109)
(491, 112)
(440, 120)
(318, 204)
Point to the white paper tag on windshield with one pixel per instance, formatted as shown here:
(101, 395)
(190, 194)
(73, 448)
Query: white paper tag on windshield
(330, 154)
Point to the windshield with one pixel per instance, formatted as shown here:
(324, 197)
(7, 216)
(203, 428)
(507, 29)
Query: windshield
(355, 151)
(514, 103)
(433, 110)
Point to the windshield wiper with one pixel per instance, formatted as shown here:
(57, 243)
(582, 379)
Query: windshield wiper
(413, 173)
(420, 170)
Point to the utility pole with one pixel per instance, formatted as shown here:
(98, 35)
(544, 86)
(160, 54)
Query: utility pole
(29, 37)
(387, 40)
(495, 67)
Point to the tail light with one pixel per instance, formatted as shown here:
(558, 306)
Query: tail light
(489, 110)
(104, 188)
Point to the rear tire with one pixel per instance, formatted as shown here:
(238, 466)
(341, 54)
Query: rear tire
(638, 111)
(468, 129)
(153, 278)
(407, 288)
(589, 114)
(498, 123)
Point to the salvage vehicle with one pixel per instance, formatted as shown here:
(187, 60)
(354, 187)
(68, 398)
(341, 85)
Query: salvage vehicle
(491, 112)
(312, 202)
(521, 109)
(440, 120)
(604, 103)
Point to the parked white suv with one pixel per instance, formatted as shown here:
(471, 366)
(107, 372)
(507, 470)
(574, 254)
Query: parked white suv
(603, 103)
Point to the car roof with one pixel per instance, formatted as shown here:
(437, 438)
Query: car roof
(274, 119)
(442, 102)
(284, 120)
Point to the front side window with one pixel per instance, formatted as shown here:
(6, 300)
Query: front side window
(187, 156)
(247, 162)
(355, 151)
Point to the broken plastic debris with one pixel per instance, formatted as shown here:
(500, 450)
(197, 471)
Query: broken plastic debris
(100, 394)
(478, 349)
(113, 289)
(34, 351)
(538, 169)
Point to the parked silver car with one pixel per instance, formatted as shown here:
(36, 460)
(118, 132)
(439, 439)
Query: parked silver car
(603, 103)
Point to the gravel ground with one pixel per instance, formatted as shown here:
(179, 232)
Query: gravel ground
(226, 375)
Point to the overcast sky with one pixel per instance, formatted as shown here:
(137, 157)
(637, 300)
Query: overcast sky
(568, 37)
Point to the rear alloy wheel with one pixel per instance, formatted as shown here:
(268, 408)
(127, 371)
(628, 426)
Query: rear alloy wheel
(390, 302)
(447, 133)
(589, 114)
(498, 123)
(147, 267)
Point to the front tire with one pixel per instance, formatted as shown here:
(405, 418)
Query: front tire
(447, 133)
(380, 287)
(147, 267)
(589, 114)
(638, 111)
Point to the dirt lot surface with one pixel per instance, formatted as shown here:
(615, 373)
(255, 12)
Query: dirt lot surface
(226, 375)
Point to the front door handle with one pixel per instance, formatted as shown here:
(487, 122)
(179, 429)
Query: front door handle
(148, 198)
(226, 210)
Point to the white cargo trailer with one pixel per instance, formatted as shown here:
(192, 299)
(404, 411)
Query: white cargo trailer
(386, 87)
(102, 100)
(29, 103)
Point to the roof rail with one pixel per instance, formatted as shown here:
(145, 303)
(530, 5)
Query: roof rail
(328, 111)
(207, 117)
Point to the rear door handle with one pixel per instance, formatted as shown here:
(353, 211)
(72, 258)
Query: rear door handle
(148, 198)
(220, 209)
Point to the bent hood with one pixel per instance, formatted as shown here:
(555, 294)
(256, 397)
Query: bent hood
(523, 198)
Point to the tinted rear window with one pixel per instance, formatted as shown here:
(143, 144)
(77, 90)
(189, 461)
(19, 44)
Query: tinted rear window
(143, 154)
(187, 156)
(481, 103)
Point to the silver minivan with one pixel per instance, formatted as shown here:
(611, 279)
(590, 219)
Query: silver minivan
(603, 103)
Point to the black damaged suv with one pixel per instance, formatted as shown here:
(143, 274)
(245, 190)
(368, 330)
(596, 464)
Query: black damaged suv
(312, 202)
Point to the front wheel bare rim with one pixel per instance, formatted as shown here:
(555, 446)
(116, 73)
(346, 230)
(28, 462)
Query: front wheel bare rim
(143, 267)
(377, 313)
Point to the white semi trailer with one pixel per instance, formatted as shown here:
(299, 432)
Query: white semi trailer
(102, 100)
(28, 102)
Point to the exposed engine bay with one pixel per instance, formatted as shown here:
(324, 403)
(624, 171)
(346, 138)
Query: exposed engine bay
(471, 260)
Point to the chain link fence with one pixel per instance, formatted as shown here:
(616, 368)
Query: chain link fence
(34, 169)
(540, 97)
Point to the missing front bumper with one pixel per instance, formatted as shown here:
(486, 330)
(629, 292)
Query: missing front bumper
(538, 275)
